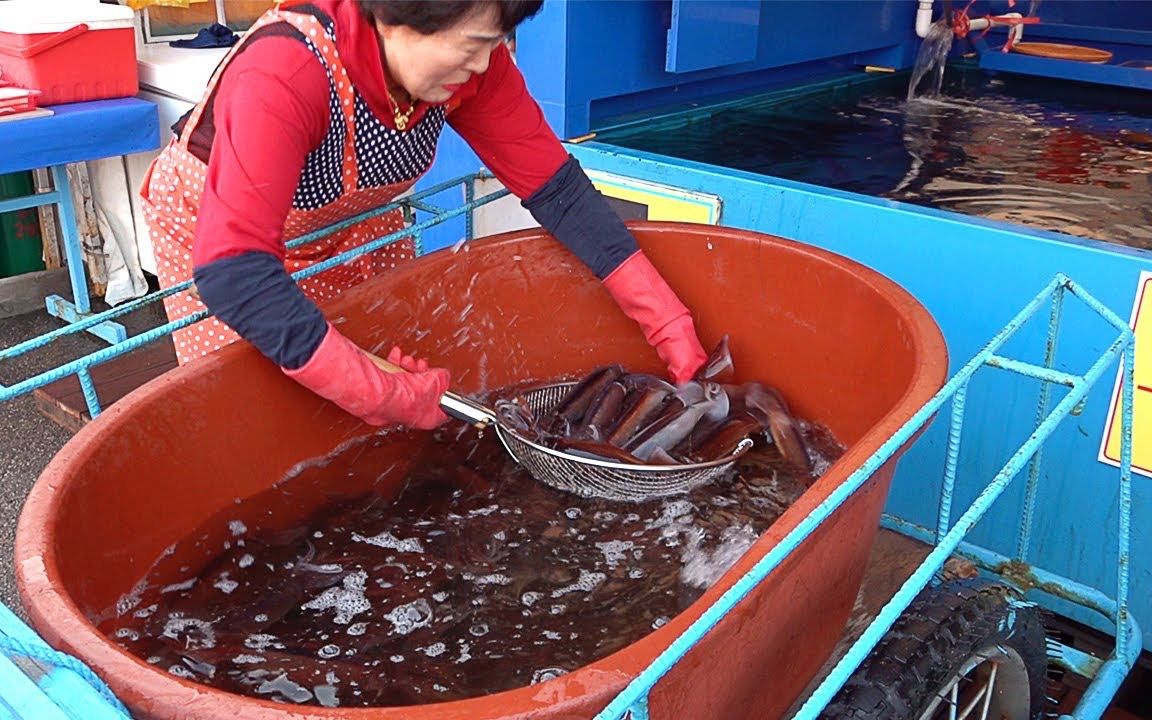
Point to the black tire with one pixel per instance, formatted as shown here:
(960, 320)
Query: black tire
(945, 631)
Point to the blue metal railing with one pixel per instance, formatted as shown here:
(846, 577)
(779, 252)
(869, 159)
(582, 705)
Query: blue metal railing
(81, 368)
(1106, 676)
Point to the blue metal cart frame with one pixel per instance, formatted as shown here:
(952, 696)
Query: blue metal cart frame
(75, 692)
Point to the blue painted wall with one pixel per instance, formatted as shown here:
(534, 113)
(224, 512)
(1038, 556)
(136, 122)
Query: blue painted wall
(592, 62)
(615, 53)
(1124, 14)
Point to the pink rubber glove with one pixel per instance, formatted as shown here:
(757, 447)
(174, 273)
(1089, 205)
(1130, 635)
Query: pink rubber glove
(341, 372)
(409, 363)
(642, 294)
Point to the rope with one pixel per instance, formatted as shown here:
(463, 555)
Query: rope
(45, 654)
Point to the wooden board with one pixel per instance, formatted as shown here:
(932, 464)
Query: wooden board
(1060, 51)
(63, 401)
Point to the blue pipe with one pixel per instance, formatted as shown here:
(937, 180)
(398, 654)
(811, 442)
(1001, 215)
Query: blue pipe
(425, 207)
(1106, 676)
(469, 196)
(134, 342)
(1127, 391)
(1073, 660)
(90, 321)
(1099, 694)
(639, 687)
(948, 485)
(30, 201)
(388, 239)
(1038, 372)
(1025, 577)
(998, 564)
(1027, 516)
(89, 391)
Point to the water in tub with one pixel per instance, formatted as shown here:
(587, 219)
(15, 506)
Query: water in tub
(466, 578)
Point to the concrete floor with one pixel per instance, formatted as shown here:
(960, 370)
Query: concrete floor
(28, 440)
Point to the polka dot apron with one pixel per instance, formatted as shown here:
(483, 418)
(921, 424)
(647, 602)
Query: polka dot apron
(361, 163)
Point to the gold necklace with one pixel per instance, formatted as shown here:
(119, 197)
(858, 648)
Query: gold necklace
(401, 117)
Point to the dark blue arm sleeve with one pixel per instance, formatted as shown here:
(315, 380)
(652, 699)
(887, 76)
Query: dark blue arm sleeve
(569, 207)
(253, 294)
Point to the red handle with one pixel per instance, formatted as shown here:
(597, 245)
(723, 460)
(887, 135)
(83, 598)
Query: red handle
(46, 44)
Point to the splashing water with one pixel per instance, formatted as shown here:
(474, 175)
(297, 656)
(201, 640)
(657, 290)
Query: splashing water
(931, 58)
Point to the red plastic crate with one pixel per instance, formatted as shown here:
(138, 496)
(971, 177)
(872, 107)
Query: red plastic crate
(69, 51)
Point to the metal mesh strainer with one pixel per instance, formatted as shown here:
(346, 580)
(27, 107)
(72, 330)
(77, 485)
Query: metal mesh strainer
(586, 476)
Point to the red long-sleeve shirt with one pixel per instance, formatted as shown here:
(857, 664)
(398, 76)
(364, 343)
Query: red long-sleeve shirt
(271, 110)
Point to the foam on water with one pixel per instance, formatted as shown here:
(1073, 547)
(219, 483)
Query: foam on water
(587, 582)
(409, 617)
(348, 601)
(262, 641)
(194, 633)
(224, 584)
(357, 628)
(131, 599)
(492, 579)
(435, 649)
(517, 581)
(616, 551)
(387, 540)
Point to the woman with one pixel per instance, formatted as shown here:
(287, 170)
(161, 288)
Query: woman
(331, 107)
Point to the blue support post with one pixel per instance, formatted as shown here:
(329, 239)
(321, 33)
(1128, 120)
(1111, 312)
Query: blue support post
(1127, 393)
(948, 487)
(469, 196)
(80, 307)
(1024, 537)
(89, 389)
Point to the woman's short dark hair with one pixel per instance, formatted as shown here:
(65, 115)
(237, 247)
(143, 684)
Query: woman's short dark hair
(429, 16)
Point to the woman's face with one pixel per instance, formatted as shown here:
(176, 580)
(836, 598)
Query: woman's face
(433, 67)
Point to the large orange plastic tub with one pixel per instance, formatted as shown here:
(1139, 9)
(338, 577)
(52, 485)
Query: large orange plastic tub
(846, 345)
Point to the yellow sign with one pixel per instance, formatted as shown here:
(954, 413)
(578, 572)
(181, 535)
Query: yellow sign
(1142, 390)
(642, 200)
